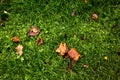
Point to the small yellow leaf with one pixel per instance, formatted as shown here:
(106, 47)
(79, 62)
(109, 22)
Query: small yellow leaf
(106, 57)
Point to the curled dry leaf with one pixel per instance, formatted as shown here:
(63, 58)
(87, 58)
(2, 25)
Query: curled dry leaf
(63, 49)
(16, 39)
(39, 41)
(74, 54)
(34, 31)
(19, 49)
(94, 16)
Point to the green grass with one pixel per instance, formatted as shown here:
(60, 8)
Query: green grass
(102, 38)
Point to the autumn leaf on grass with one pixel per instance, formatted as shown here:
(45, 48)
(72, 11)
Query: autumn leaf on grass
(105, 57)
(19, 49)
(94, 16)
(63, 49)
(34, 31)
(74, 54)
(16, 39)
(39, 41)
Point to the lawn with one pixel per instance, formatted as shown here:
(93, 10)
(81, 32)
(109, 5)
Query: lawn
(69, 21)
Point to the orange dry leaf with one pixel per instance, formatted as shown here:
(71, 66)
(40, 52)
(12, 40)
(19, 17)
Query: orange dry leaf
(74, 54)
(62, 49)
(16, 39)
(19, 49)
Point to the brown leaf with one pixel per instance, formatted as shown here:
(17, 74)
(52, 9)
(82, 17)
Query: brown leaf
(34, 31)
(74, 54)
(16, 39)
(94, 16)
(39, 41)
(63, 49)
(19, 49)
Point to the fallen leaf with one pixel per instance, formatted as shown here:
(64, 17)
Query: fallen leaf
(74, 54)
(106, 57)
(34, 31)
(16, 39)
(94, 16)
(39, 41)
(86, 65)
(19, 49)
(63, 49)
